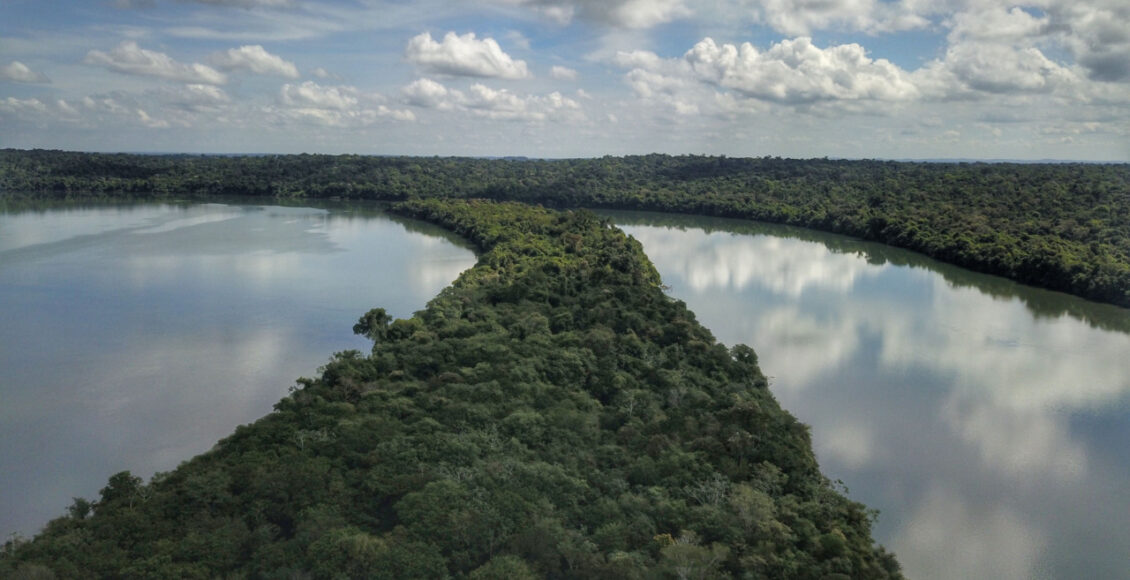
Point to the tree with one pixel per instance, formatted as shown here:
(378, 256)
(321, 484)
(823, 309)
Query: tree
(373, 325)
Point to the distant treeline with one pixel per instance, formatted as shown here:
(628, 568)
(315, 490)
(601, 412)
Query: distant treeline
(1059, 226)
(551, 414)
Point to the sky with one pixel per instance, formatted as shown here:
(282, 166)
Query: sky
(900, 79)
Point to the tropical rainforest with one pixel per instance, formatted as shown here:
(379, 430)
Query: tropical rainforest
(1064, 227)
(551, 414)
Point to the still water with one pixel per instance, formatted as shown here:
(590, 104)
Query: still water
(136, 336)
(987, 421)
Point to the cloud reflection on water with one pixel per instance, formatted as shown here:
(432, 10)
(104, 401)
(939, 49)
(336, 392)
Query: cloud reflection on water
(151, 332)
(942, 401)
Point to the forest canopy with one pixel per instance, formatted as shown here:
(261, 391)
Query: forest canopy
(1059, 226)
(552, 414)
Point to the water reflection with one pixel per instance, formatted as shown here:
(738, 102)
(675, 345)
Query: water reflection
(984, 419)
(134, 337)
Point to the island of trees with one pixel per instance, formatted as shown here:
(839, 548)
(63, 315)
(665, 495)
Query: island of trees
(1064, 227)
(551, 414)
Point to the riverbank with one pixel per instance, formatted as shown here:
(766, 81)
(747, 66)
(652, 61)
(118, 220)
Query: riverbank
(551, 413)
(1063, 227)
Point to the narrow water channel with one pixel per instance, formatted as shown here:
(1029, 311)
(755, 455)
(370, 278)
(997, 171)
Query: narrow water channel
(988, 422)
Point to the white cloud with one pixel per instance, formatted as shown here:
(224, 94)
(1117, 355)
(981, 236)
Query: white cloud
(426, 93)
(196, 98)
(311, 94)
(255, 59)
(66, 108)
(717, 78)
(637, 59)
(647, 84)
(495, 104)
(150, 121)
(19, 72)
(395, 114)
(796, 71)
(644, 13)
(504, 105)
(1092, 31)
(339, 106)
(997, 24)
(998, 69)
(22, 107)
(1097, 34)
(464, 55)
(129, 58)
(843, 78)
(801, 17)
(118, 110)
(563, 73)
(973, 69)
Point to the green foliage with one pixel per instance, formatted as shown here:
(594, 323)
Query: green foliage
(373, 325)
(550, 414)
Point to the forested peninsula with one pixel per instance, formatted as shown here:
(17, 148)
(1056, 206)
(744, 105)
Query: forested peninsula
(552, 414)
(1063, 227)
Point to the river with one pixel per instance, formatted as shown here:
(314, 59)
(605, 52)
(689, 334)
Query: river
(134, 336)
(988, 422)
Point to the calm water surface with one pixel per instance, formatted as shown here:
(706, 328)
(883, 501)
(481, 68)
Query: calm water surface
(135, 336)
(987, 421)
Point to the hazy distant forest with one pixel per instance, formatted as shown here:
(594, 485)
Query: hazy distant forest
(1059, 226)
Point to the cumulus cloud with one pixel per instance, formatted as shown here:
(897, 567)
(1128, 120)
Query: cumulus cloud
(644, 59)
(796, 71)
(647, 84)
(844, 78)
(464, 55)
(311, 94)
(1097, 35)
(563, 73)
(1091, 31)
(725, 80)
(496, 104)
(129, 58)
(504, 105)
(426, 93)
(996, 68)
(150, 122)
(802, 17)
(22, 107)
(256, 59)
(997, 24)
(19, 72)
(337, 106)
(116, 109)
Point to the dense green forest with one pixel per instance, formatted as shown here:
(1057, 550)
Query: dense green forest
(552, 413)
(1059, 226)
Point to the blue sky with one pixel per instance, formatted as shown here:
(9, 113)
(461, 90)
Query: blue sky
(983, 79)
